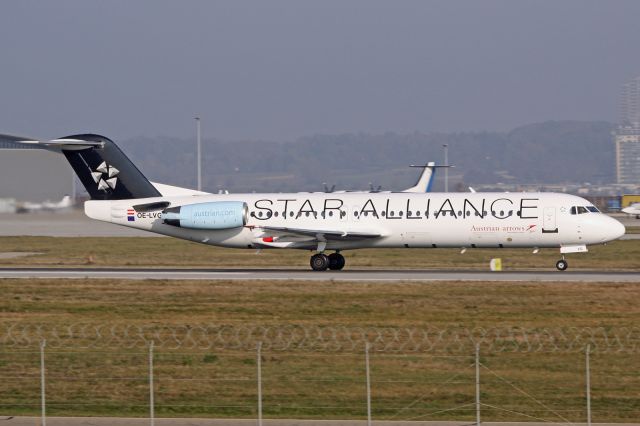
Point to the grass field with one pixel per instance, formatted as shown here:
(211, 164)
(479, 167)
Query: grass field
(329, 384)
(190, 381)
(128, 252)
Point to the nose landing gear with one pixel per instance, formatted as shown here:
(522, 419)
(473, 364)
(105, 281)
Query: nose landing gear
(562, 264)
(322, 262)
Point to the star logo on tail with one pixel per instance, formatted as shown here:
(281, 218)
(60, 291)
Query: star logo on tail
(105, 176)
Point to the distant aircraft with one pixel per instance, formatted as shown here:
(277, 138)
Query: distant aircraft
(423, 184)
(633, 209)
(426, 179)
(28, 207)
(64, 204)
(323, 222)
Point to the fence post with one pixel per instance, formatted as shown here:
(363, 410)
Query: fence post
(151, 388)
(366, 359)
(259, 365)
(43, 400)
(588, 384)
(478, 384)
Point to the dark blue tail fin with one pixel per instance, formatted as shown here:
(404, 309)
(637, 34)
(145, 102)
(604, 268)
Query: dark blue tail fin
(104, 170)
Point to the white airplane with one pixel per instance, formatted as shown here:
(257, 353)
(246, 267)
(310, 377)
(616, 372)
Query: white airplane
(49, 206)
(329, 222)
(633, 209)
(423, 184)
(64, 204)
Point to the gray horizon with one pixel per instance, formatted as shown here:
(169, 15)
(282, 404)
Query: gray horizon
(284, 69)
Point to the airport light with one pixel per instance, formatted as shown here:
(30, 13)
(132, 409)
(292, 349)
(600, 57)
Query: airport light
(199, 156)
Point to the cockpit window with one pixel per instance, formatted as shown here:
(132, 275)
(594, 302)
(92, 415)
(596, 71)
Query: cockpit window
(583, 210)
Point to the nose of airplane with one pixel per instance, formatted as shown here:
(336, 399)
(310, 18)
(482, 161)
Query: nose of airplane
(614, 229)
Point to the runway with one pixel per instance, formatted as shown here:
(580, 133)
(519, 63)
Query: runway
(303, 275)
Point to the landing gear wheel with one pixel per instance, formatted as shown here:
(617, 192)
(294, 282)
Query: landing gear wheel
(336, 261)
(319, 262)
(562, 265)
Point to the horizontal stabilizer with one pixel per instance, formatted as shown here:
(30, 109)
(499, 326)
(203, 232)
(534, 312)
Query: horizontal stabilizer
(59, 144)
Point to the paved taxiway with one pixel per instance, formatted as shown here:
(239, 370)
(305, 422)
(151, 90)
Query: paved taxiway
(303, 275)
(112, 421)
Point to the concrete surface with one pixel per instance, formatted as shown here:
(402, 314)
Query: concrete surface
(304, 275)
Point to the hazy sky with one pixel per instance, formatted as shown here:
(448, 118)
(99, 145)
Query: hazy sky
(268, 69)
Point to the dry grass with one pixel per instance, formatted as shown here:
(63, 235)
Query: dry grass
(315, 385)
(320, 385)
(321, 303)
(127, 252)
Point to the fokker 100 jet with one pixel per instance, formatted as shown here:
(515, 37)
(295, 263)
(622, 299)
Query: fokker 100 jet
(328, 222)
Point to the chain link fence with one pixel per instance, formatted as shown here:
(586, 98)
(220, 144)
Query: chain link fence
(312, 372)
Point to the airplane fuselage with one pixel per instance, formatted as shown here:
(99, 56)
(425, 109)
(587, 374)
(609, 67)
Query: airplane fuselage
(401, 219)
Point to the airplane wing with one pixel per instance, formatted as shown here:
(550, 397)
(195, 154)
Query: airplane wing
(320, 234)
(284, 237)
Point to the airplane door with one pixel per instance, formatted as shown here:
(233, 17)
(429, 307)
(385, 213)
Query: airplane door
(549, 225)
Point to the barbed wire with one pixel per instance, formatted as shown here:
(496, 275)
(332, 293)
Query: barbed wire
(295, 337)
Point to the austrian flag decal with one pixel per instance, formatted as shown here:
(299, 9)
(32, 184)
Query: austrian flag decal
(131, 215)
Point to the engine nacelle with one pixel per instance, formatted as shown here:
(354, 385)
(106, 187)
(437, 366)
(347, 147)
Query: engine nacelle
(213, 215)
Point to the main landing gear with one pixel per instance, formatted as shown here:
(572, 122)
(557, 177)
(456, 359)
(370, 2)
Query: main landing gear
(322, 262)
(562, 264)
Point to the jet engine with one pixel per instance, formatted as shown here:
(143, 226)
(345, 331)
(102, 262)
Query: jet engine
(213, 215)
